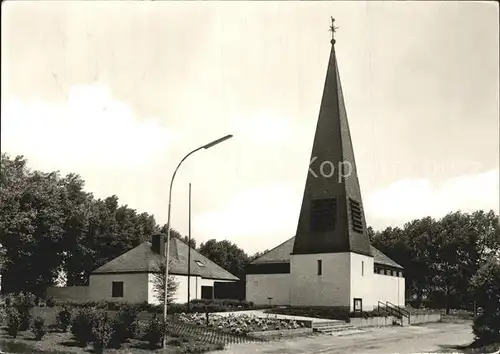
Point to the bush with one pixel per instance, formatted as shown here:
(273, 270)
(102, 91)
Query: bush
(154, 332)
(101, 331)
(200, 347)
(51, 302)
(124, 325)
(24, 303)
(39, 328)
(82, 324)
(63, 319)
(486, 327)
(3, 316)
(13, 322)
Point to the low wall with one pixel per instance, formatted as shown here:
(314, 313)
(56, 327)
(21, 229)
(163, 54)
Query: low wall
(69, 293)
(374, 321)
(425, 318)
(281, 333)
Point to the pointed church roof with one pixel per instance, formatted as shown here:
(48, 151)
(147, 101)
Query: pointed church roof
(282, 252)
(332, 218)
(142, 259)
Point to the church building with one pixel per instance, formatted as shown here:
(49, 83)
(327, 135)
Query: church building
(330, 261)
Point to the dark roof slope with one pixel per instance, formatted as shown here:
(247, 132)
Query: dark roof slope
(143, 259)
(281, 254)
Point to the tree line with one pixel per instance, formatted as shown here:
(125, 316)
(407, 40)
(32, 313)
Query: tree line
(49, 224)
(441, 256)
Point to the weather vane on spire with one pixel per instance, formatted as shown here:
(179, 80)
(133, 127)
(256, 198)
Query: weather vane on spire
(333, 29)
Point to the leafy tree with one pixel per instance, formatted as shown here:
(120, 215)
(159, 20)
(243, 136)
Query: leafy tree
(227, 255)
(177, 234)
(50, 223)
(159, 284)
(32, 226)
(486, 285)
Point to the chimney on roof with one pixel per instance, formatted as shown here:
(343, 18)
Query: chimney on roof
(158, 244)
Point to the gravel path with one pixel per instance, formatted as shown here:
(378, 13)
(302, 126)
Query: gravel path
(437, 337)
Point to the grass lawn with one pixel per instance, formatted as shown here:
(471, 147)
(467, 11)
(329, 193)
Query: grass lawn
(56, 342)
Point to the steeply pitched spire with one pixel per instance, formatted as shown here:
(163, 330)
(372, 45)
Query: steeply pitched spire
(332, 219)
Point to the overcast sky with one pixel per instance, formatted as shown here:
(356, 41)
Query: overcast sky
(118, 92)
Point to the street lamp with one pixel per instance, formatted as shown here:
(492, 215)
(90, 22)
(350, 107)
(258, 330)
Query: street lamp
(167, 256)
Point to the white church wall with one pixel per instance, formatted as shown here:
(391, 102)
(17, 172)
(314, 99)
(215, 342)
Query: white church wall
(331, 288)
(389, 288)
(260, 287)
(361, 282)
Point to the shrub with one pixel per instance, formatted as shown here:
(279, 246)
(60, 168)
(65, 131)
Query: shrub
(101, 331)
(199, 347)
(63, 319)
(174, 342)
(3, 316)
(154, 332)
(124, 325)
(39, 328)
(82, 324)
(51, 302)
(24, 303)
(13, 322)
(486, 327)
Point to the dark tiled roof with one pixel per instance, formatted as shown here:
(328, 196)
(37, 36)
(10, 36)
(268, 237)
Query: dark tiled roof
(281, 254)
(382, 259)
(143, 259)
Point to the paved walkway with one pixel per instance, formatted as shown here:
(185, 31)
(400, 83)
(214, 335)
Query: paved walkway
(262, 314)
(436, 337)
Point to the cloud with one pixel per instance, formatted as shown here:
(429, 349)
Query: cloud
(91, 128)
(263, 129)
(409, 199)
(255, 219)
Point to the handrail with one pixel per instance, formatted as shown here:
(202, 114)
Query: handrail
(383, 305)
(402, 312)
(386, 307)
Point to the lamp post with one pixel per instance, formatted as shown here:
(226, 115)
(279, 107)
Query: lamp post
(189, 253)
(167, 250)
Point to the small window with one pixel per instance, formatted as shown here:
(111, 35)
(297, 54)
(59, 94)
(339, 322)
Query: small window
(320, 267)
(200, 263)
(362, 268)
(117, 289)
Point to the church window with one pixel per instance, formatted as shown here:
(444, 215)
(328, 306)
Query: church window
(362, 268)
(320, 267)
(323, 214)
(356, 216)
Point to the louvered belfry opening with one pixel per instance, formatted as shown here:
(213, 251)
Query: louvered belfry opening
(356, 216)
(323, 214)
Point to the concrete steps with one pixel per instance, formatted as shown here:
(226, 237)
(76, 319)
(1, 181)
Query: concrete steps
(332, 327)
